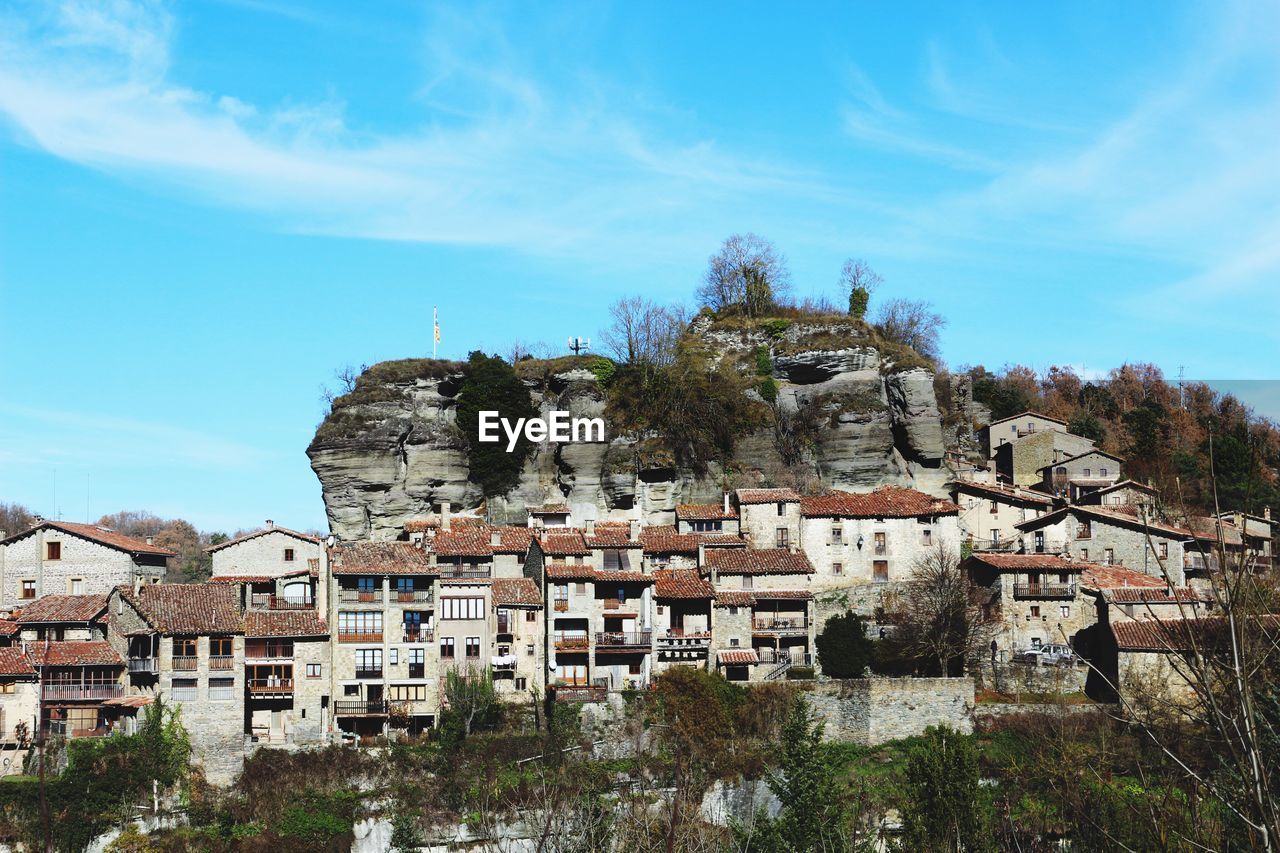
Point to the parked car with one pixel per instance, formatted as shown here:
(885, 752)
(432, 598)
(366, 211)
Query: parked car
(1050, 654)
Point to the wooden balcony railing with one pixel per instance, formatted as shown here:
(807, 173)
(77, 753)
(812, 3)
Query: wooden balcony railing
(185, 663)
(73, 692)
(780, 624)
(419, 635)
(572, 642)
(679, 637)
(463, 574)
(562, 605)
(269, 686)
(357, 637)
(142, 665)
(407, 596)
(360, 707)
(221, 663)
(360, 596)
(1044, 590)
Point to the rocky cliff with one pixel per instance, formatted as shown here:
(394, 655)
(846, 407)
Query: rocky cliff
(849, 413)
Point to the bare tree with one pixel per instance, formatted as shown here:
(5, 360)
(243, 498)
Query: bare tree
(644, 332)
(860, 281)
(942, 620)
(470, 695)
(911, 322)
(748, 274)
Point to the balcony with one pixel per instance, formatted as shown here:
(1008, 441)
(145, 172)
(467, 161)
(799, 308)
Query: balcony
(562, 605)
(265, 601)
(369, 673)
(880, 550)
(623, 640)
(994, 544)
(780, 624)
(678, 638)
(261, 651)
(464, 574)
(267, 687)
(61, 728)
(412, 596)
(360, 707)
(143, 665)
(360, 596)
(1044, 590)
(77, 692)
(775, 656)
(221, 663)
(185, 663)
(358, 637)
(572, 642)
(613, 603)
(419, 635)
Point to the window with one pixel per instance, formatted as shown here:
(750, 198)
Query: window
(580, 588)
(351, 690)
(220, 646)
(446, 648)
(288, 555)
(995, 508)
(473, 648)
(53, 550)
(1102, 472)
(28, 589)
(733, 642)
(1109, 556)
(1084, 553)
(407, 693)
(75, 586)
(1064, 578)
(783, 537)
(1085, 531)
(837, 568)
(368, 663)
(1164, 550)
(313, 670)
(222, 689)
(837, 536)
(1086, 472)
(417, 663)
(782, 508)
(633, 668)
(747, 582)
(359, 626)
(926, 537)
(393, 657)
(462, 608)
(1066, 611)
(1035, 611)
(529, 650)
(733, 611)
(184, 690)
(971, 503)
(531, 616)
(615, 560)
(522, 684)
(881, 543)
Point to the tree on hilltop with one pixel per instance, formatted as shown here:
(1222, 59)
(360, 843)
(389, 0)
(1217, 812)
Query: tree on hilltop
(748, 274)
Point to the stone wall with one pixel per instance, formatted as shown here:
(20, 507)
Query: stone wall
(870, 711)
(264, 555)
(98, 568)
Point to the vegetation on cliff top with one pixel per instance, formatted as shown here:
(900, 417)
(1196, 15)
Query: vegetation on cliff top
(492, 385)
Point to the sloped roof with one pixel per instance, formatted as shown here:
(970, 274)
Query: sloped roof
(74, 653)
(570, 571)
(468, 541)
(564, 543)
(14, 663)
(884, 502)
(783, 594)
(681, 583)
(1002, 492)
(705, 512)
(732, 657)
(767, 496)
(516, 592)
(63, 608)
(8, 627)
(1117, 515)
(1129, 484)
(1153, 595)
(611, 535)
(1023, 415)
(1206, 529)
(263, 532)
(663, 539)
(195, 608)
(549, 509)
(380, 558)
(102, 535)
(602, 576)
(284, 623)
(757, 561)
(1118, 577)
(1094, 452)
(734, 598)
(1028, 562)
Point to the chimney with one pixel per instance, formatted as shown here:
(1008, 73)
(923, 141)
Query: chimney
(151, 540)
(1266, 516)
(635, 530)
(446, 507)
(271, 525)
(495, 537)
(726, 503)
(590, 526)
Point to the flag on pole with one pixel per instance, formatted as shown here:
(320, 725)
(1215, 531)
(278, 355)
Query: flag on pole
(436, 320)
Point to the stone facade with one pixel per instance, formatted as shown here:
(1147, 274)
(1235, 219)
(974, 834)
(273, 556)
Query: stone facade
(271, 552)
(871, 711)
(50, 560)
(1100, 536)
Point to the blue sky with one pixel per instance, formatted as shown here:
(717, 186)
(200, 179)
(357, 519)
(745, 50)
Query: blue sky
(207, 207)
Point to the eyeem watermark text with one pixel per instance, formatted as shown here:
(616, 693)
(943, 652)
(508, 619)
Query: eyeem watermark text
(559, 427)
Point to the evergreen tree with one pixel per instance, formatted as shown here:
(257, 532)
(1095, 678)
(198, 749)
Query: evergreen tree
(492, 385)
(844, 649)
(944, 810)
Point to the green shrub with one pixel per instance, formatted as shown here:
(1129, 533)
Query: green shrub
(604, 369)
(800, 673)
(764, 364)
(775, 327)
(769, 390)
(844, 649)
(492, 385)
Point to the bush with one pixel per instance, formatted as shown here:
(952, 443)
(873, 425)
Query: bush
(775, 327)
(603, 369)
(492, 385)
(764, 364)
(844, 649)
(769, 390)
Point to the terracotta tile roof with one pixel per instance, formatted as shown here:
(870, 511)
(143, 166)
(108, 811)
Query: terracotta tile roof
(681, 583)
(757, 561)
(884, 502)
(420, 525)
(550, 509)
(734, 598)
(1023, 415)
(101, 535)
(284, 623)
(515, 540)
(1207, 530)
(722, 540)
(241, 579)
(63, 608)
(1124, 516)
(1130, 484)
(14, 663)
(1009, 493)
(1029, 562)
(1151, 595)
(74, 653)
(570, 571)
(611, 535)
(8, 627)
(767, 496)
(1089, 482)
(664, 540)
(263, 532)
(128, 701)
(786, 594)
(1118, 577)
(622, 577)
(380, 558)
(705, 512)
(193, 608)
(732, 657)
(1164, 635)
(568, 543)
(516, 592)
(468, 541)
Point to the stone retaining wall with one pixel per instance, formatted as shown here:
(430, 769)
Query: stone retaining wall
(872, 711)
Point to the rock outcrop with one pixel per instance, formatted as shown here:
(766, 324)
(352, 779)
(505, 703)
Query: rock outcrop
(859, 417)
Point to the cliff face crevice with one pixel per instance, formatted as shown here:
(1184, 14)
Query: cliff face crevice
(391, 450)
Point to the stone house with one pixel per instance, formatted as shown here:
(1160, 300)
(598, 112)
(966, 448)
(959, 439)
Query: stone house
(383, 616)
(769, 518)
(1257, 533)
(1020, 462)
(519, 665)
(81, 685)
(1124, 493)
(1035, 599)
(1015, 427)
(989, 512)
(1110, 536)
(271, 552)
(774, 614)
(61, 558)
(873, 538)
(682, 619)
(63, 617)
(707, 518)
(19, 707)
(1075, 477)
